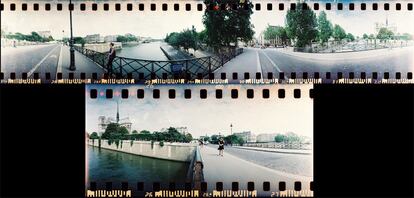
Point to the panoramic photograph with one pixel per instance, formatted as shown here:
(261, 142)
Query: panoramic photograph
(225, 38)
(141, 139)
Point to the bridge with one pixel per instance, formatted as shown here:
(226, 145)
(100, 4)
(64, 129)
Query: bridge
(141, 69)
(231, 168)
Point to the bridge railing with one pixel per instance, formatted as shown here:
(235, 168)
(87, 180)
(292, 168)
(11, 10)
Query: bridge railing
(195, 171)
(150, 69)
(281, 145)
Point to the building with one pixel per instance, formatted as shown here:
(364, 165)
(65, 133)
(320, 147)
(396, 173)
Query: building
(93, 38)
(110, 38)
(103, 122)
(182, 130)
(247, 136)
(44, 34)
(387, 25)
(266, 137)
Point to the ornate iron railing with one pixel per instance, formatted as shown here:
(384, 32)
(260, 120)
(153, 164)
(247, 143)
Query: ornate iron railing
(150, 69)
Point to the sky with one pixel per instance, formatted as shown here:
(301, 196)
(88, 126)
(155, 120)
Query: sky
(207, 116)
(157, 24)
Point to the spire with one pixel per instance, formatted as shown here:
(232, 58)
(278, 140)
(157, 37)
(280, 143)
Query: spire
(117, 112)
(386, 21)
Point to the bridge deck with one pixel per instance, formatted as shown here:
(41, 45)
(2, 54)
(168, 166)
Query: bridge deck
(229, 168)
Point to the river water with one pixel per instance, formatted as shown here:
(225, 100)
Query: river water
(146, 51)
(116, 167)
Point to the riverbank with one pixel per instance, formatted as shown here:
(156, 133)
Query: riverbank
(182, 152)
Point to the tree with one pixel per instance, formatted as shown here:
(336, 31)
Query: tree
(350, 37)
(280, 138)
(384, 34)
(274, 33)
(115, 132)
(338, 33)
(406, 37)
(226, 27)
(325, 28)
(94, 135)
(365, 36)
(234, 139)
(188, 137)
(214, 139)
(301, 25)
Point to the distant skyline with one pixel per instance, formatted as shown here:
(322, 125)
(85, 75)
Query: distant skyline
(156, 24)
(206, 116)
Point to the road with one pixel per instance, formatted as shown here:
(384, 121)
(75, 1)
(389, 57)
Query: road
(277, 60)
(233, 167)
(45, 58)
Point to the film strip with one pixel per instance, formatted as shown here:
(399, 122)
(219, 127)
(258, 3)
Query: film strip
(172, 190)
(199, 140)
(182, 42)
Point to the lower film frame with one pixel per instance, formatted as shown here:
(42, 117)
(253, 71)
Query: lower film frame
(376, 50)
(164, 140)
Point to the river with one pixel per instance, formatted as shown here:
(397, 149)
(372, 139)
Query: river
(116, 167)
(146, 51)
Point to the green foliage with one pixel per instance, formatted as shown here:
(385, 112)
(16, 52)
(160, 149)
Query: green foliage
(365, 36)
(234, 139)
(126, 38)
(325, 28)
(33, 36)
(114, 131)
(350, 37)
(301, 25)
(338, 33)
(288, 137)
(275, 32)
(94, 135)
(384, 34)
(214, 139)
(161, 143)
(206, 138)
(186, 39)
(224, 28)
(407, 36)
(79, 40)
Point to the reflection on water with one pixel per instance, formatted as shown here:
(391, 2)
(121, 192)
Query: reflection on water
(116, 167)
(147, 51)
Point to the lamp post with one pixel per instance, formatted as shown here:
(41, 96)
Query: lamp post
(231, 129)
(72, 51)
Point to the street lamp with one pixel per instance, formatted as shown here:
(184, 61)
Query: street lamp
(72, 51)
(231, 129)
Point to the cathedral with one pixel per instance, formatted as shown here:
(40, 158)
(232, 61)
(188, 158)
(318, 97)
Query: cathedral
(104, 121)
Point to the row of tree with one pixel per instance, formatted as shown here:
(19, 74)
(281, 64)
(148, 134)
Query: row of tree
(186, 39)
(126, 38)
(33, 37)
(116, 132)
(303, 27)
(229, 139)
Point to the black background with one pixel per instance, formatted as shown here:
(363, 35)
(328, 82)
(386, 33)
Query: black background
(363, 140)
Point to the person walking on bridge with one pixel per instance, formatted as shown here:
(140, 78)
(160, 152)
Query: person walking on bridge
(221, 146)
(111, 57)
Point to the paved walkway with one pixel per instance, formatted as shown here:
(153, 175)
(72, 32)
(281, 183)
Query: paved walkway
(288, 151)
(82, 63)
(229, 168)
(367, 54)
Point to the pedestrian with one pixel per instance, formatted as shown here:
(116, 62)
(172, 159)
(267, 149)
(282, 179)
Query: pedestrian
(221, 146)
(111, 57)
